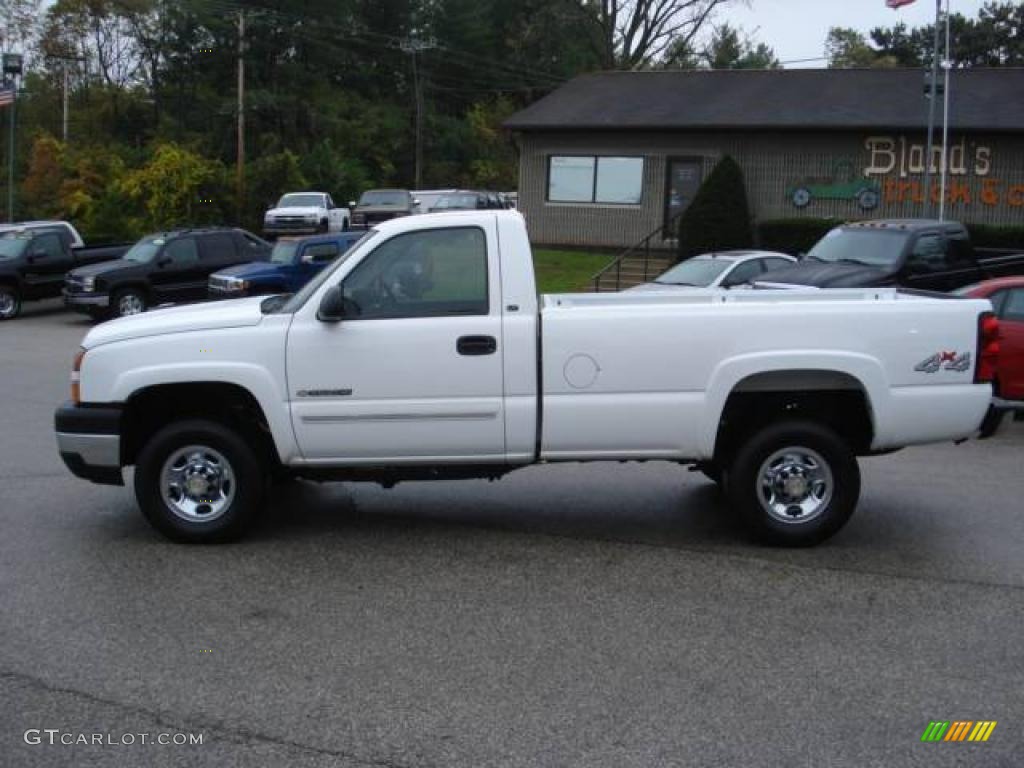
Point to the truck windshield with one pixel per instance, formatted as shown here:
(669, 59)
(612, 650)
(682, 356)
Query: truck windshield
(870, 247)
(12, 247)
(449, 202)
(300, 201)
(384, 197)
(698, 271)
(284, 252)
(144, 250)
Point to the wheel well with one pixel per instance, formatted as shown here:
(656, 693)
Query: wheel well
(152, 408)
(141, 287)
(835, 399)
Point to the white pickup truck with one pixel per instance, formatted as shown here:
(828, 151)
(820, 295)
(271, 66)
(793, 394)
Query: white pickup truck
(299, 213)
(425, 353)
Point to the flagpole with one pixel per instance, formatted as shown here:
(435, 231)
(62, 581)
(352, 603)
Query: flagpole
(931, 113)
(947, 65)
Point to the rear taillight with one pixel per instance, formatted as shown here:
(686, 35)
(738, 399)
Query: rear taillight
(988, 348)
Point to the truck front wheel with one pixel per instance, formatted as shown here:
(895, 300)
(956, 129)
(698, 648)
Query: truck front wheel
(10, 302)
(795, 483)
(198, 482)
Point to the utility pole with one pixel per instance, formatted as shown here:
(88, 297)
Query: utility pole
(12, 66)
(240, 170)
(946, 65)
(64, 99)
(933, 97)
(414, 46)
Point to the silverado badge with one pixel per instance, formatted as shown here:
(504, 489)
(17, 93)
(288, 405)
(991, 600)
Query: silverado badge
(951, 361)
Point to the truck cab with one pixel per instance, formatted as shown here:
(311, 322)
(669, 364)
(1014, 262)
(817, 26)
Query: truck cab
(293, 263)
(911, 253)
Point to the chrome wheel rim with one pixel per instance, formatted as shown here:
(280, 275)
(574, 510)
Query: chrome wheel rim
(197, 483)
(7, 304)
(795, 485)
(130, 304)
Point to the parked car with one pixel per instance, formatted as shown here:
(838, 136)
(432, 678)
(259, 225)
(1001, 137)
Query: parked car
(426, 354)
(67, 227)
(166, 267)
(377, 205)
(724, 269)
(427, 197)
(36, 256)
(292, 264)
(911, 253)
(467, 200)
(1007, 297)
(299, 213)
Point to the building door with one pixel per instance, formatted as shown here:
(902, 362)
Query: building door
(682, 182)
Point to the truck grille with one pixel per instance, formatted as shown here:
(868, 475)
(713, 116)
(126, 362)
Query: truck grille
(73, 283)
(218, 283)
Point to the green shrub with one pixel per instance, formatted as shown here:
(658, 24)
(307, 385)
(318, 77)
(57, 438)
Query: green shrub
(793, 236)
(718, 219)
(991, 236)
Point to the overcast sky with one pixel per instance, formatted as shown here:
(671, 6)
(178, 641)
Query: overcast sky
(796, 29)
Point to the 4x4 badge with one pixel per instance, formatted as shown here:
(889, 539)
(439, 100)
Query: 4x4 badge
(951, 361)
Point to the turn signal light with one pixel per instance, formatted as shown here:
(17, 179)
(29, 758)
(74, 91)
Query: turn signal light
(988, 348)
(76, 373)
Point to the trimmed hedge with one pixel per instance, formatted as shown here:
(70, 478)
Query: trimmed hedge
(793, 236)
(718, 219)
(991, 236)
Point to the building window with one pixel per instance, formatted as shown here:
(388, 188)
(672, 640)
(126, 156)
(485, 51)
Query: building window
(609, 180)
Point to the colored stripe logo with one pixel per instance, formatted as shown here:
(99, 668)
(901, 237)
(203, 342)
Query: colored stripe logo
(958, 730)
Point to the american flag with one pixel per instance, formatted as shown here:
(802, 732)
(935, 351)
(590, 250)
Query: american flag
(897, 3)
(6, 96)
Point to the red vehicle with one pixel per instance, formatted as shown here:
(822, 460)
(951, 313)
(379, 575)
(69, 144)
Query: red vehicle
(1007, 297)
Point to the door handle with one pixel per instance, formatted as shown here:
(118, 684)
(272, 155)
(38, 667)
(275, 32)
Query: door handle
(476, 345)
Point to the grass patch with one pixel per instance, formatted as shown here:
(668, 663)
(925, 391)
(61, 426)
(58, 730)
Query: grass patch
(567, 271)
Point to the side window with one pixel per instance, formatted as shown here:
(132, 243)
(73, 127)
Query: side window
(250, 244)
(329, 201)
(182, 252)
(50, 245)
(321, 253)
(1013, 307)
(770, 264)
(929, 254)
(744, 273)
(435, 273)
(218, 247)
(961, 254)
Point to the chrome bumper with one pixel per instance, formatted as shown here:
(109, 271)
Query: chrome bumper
(86, 299)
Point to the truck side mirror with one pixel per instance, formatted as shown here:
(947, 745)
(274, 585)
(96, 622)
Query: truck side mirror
(332, 306)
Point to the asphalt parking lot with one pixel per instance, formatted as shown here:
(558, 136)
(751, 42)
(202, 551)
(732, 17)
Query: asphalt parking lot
(600, 615)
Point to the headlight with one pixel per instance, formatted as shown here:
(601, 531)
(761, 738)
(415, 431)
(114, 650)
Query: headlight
(88, 283)
(234, 284)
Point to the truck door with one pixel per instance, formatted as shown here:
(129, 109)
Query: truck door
(45, 263)
(335, 216)
(927, 265)
(413, 373)
(178, 272)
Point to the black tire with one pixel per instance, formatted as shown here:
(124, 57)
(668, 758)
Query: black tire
(245, 470)
(10, 302)
(324, 227)
(992, 421)
(712, 472)
(130, 294)
(751, 500)
(344, 225)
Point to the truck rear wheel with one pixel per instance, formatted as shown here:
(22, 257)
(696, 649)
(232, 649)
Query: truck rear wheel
(198, 482)
(10, 302)
(795, 483)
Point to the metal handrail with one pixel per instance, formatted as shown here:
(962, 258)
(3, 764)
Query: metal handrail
(616, 263)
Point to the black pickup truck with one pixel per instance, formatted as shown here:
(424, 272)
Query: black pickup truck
(165, 268)
(910, 253)
(35, 260)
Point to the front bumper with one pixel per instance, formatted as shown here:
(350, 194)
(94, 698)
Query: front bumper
(291, 227)
(89, 441)
(216, 293)
(83, 302)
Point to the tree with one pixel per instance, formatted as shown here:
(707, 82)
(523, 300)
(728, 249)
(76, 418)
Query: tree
(846, 48)
(728, 48)
(634, 34)
(40, 190)
(719, 216)
(174, 186)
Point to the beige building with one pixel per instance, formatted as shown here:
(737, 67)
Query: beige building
(611, 157)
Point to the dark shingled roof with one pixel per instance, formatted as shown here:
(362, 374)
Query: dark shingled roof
(784, 99)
